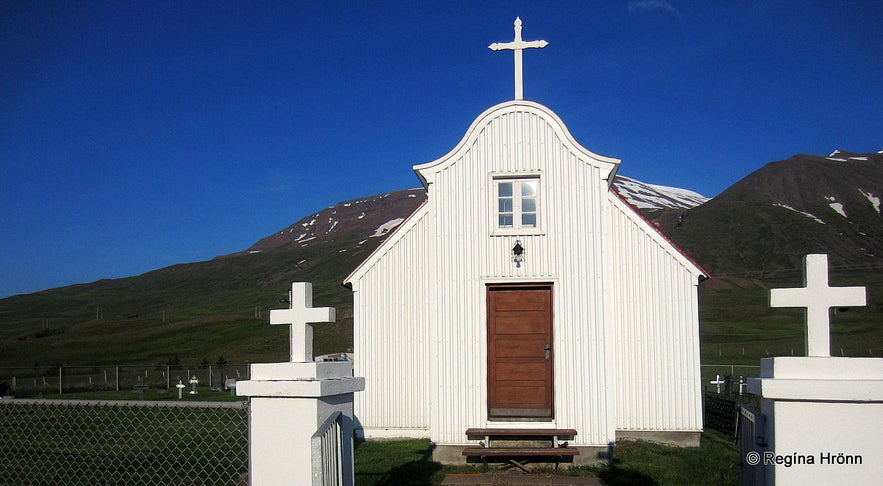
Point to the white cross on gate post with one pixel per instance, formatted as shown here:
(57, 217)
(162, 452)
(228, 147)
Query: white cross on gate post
(518, 46)
(817, 297)
(300, 316)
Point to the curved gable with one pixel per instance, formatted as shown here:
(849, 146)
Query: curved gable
(526, 116)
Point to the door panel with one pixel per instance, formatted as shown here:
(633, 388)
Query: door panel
(519, 352)
(523, 346)
(523, 371)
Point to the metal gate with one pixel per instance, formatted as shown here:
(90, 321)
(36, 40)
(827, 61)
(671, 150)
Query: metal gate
(751, 434)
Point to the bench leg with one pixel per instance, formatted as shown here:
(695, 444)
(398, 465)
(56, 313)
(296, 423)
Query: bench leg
(513, 464)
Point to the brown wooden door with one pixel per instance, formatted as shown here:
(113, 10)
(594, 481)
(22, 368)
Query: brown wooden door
(519, 352)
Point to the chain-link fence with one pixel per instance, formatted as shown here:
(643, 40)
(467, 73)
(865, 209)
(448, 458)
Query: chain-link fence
(73, 442)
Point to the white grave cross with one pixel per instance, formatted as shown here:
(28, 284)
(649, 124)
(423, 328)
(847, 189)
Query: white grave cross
(300, 316)
(717, 381)
(817, 297)
(518, 46)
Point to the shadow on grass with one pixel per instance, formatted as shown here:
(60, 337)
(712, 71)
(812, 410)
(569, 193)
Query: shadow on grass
(615, 475)
(388, 463)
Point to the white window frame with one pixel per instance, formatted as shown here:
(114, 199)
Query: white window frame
(516, 179)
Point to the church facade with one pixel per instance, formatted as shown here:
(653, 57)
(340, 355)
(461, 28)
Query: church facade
(525, 292)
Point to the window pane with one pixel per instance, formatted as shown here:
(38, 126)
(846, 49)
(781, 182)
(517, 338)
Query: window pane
(529, 205)
(528, 188)
(517, 202)
(505, 205)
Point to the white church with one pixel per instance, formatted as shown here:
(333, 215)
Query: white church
(526, 294)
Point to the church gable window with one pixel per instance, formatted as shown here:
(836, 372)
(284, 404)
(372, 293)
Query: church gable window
(517, 204)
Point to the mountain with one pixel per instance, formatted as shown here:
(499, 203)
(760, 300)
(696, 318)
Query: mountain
(767, 221)
(359, 223)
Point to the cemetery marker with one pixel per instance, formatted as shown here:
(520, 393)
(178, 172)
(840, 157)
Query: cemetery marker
(717, 381)
(817, 297)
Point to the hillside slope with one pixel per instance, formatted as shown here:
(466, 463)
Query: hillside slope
(205, 309)
(767, 221)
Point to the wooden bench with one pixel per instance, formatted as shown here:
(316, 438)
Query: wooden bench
(519, 456)
(521, 451)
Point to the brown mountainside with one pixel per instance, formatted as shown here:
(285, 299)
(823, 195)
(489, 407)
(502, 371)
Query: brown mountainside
(766, 222)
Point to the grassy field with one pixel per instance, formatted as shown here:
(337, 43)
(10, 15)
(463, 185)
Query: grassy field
(738, 327)
(635, 463)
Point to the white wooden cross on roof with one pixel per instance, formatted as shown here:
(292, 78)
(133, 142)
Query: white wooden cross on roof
(300, 316)
(518, 46)
(817, 297)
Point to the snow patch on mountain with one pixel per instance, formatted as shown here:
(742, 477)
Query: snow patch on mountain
(874, 200)
(387, 227)
(652, 196)
(836, 206)
(808, 215)
(843, 156)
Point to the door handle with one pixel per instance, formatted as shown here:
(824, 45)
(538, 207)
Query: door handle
(548, 349)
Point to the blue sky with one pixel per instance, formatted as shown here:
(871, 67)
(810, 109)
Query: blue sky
(136, 135)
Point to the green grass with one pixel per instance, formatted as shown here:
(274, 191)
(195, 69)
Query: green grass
(396, 462)
(637, 463)
(642, 463)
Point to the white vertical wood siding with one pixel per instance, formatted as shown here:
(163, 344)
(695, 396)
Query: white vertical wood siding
(390, 334)
(625, 356)
(656, 329)
(568, 254)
